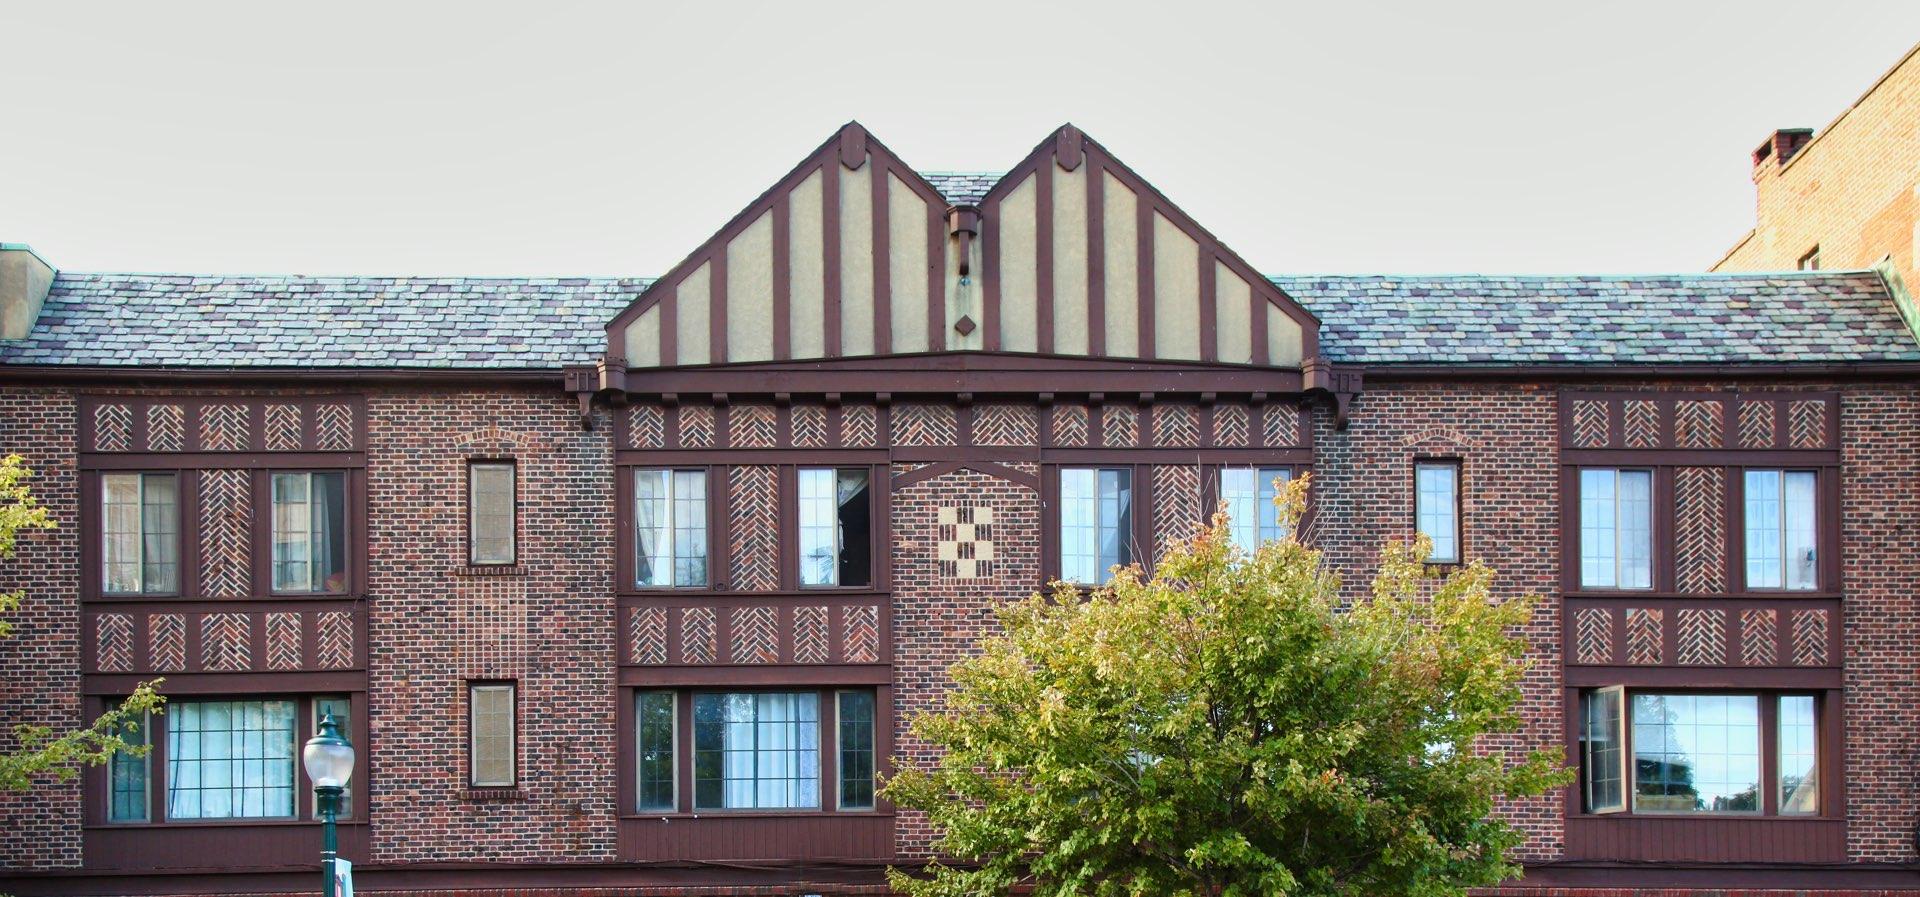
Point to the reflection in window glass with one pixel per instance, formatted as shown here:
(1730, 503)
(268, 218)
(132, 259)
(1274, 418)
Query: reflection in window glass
(856, 750)
(756, 750)
(836, 544)
(230, 759)
(1437, 508)
(309, 532)
(670, 523)
(128, 777)
(1696, 753)
(653, 716)
(1781, 527)
(138, 523)
(1799, 756)
(1616, 529)
(1248, 494)
(1602, 749)
(1096, 522)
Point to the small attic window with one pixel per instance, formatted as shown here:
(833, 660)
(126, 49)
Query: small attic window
(1810, 261)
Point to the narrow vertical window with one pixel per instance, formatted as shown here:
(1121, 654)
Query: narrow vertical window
(1782, 527)
(1248, 494)
(1096, 522)
(492, 509)
(670, 525)
(342, 711)
(139, 525)
(128, 774)
(855, 771)
(1437, 508)
(1603, 750)
(1799, 757)
(654, 718)
(230, 759)
(490, 720)
(836, 544)
(756, 750)
(1616, 529)
(309, 532)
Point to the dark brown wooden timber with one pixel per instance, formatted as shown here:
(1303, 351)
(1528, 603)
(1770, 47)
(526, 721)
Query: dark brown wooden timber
(1043, 255)
(1209, 309)
(830, 253)
(782, 278)
(1143, 247)
(882, 262)
(1096, 256)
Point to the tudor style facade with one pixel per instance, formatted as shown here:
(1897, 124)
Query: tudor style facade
(632, 584)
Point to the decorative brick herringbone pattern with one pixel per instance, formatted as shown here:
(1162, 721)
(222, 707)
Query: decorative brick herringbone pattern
(1700, 539)
(333, 428)
(1593, 636)
(226, 642)
(647, 634)
(166, 428)
(923, 424)
(1590, 421)
(1005, 425)
(1070, 426)
(1176, 505)
(167, 642)
(1702, 637)
(1810, 638)
(112, 428)
(226, 520)
(1643, 635)
(1120, 426)
(223, 427)
(646, 427)
(756, 635)
(1756, 424)
(333, 649)
(1280, 425)
(812, 642)
(809, 424)
(859, 426)
(861, 636)
(283, 641)
(113, 643)
(753, 527)
(1807, 424)
(699, 635)
(1641, 422)
(1697, 423)
(1230, 425)
(753, 426)
(1759, 636)
(696, 426)
(283, 428)
(1176, 425)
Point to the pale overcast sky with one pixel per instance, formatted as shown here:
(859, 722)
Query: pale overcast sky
(555, 138)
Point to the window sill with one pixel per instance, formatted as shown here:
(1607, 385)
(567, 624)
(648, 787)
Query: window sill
(759, 814)
(213, 823)
(1704, 818)
(489, 570)
(492, 795)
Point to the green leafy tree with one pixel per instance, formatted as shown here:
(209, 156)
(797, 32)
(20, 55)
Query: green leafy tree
(1231, 727)
(39, 750)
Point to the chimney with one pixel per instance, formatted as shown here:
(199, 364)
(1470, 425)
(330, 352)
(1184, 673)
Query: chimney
(1780, 148)
(24, 280)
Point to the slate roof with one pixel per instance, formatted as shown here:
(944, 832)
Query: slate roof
(962, 188)
(544, 323)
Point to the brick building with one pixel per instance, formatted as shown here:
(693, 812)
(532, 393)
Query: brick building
(627, 585)
(1846, 197)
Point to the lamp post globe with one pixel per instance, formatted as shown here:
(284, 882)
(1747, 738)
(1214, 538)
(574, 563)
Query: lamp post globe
(328, 759)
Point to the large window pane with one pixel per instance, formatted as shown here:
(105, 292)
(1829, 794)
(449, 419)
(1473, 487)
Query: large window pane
(230, 759)
(756, 750)
(1096, 522)
(1799, 756)
(491, 507)
(856, 750)
(1616, 529)
(309, 532)
(1696, 753)
(1602, 751)
(127, 774)
(1781, 529)
(490, 719)
(670, 526)
(1437, 508)
(653, 713)
(836, 545)
(1249, 494)
(139, 526)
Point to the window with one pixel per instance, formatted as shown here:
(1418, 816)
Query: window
(309, 532)
(1096, 522)
(230, 759)
(670, 523)
(1699, 753)
(490, 712)
(1616, 529)
(1248, 494)
(342, 711)
(491, 512)
(127, 776)
(855, 747)
(836, 543)
(140, 523)
(655, 722)
(1810, 261)
(1437, 508)
(756, 751)
(1781, 530)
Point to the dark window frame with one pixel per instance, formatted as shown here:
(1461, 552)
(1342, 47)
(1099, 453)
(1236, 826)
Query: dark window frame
(473, 746)
(98, 498)
(1139, 545)
(1828, 762)
(1658, 531)
(1212, 485)
(791, 575)
(353, 532)
(1459, 467)
(627, 529)
(513, 552)
(1809, 260)
(1826, 534)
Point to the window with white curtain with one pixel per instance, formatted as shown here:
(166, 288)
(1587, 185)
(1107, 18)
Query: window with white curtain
(309, 532)
(1437, 508)
(1782, 527)
(140, 523)
(756, 751)
(492, 506)
(1096, 522)
(1248, 494)
(230, 759)
(1603, 750)
(493, 761)
(670, 526)
(836, 534)
(1616, 529)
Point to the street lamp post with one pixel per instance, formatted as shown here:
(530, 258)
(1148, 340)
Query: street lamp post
(329, 762)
